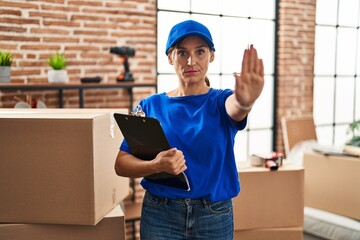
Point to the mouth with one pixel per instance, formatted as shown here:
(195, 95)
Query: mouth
(191, 72)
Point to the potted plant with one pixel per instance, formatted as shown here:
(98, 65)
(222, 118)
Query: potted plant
(57, 74)
(354, 128)
(5, 63)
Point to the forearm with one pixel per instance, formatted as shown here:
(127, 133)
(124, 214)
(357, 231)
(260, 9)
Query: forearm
(236, 111)
(127, 165)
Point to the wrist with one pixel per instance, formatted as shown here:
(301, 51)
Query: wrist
(244, 107)
(154, 166)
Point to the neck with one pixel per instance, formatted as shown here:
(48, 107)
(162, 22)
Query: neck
(186, 90)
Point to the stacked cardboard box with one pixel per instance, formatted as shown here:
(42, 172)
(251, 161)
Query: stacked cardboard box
(111, 227)
(270, 204)
(332, 183)
(57, 167)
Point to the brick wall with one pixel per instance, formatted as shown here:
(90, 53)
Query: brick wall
(83, 31)
(296, 61)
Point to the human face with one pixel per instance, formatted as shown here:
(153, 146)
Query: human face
(191, 60)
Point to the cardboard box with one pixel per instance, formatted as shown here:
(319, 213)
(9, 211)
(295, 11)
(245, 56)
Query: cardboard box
(58, 167)
(332, 183)
(270, 199)
(297, 129)
(295, 233)
(112, 227)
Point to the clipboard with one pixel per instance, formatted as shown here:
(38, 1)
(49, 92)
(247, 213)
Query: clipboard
(146, 139)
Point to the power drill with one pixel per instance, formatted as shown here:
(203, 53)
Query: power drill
(124, 53)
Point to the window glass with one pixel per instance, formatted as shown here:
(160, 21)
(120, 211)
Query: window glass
(344, 97)
(346, 54)
(336, 93)
(326, 12)
(357, 99)
(324, 100)
(325, 38)
(260, 138)
(234, 42)
(241, 146)
(227, 81)
(264, 41)
(183, 5)
(215, 81)
(348, 12)
(208, 6)
(260, 115)
(167, 82)
(340, 136)
(267, 9)
(358, 53)
(325, 135)
(235, 38)
(236, 8)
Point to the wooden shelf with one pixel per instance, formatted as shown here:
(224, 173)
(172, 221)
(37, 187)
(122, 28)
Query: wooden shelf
(77, 86)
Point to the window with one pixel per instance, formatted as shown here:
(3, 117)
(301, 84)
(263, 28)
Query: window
(336, 69)
(234, 24)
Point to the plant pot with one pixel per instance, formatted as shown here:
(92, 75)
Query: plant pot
(4, 74)
(57, 76)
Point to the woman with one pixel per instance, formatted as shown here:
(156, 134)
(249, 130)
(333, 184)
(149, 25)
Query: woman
(200, 123)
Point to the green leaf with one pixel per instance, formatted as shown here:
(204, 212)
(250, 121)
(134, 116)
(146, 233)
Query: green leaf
(5, 58)
(58, 61)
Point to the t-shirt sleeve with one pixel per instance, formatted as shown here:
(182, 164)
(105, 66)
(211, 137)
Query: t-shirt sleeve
(242, 124)
(239, 125)
(124, 146)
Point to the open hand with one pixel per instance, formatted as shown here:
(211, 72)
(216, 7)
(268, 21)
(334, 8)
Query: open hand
(250, 82)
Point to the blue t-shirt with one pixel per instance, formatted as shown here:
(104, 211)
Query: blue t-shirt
(200, 127)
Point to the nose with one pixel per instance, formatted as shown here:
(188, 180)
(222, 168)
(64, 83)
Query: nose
(191, 61)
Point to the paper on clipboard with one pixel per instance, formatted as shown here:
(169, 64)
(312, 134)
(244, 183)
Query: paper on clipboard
(146, 139)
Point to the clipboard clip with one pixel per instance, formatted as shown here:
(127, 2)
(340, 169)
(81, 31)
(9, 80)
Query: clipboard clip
(138, 112)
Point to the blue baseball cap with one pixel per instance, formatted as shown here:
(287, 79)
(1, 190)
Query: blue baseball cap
(188, 28)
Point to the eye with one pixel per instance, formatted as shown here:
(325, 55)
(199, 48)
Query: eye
(182, 53)
(200, 51)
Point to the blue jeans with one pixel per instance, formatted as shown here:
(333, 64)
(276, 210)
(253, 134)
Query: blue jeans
(171, 219)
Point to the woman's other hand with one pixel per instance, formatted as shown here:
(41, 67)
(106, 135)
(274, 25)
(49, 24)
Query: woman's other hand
(170, 161)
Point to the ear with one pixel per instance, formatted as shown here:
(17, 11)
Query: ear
(170, 59)
(212, 56)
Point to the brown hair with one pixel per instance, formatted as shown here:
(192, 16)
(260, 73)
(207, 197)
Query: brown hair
(207, 81)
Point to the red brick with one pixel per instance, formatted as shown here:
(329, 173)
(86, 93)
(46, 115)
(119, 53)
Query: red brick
(24, 21)
(47, 15)
(10, 12)
(19, 4)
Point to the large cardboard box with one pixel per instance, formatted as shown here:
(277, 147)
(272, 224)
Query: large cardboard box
(270, 199)
(291, 233)
(111, 227)
(57, 166)
(332, 183)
